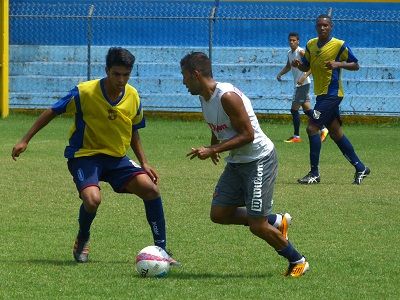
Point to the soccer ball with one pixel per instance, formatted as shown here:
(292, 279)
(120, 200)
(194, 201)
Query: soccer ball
(152, 261)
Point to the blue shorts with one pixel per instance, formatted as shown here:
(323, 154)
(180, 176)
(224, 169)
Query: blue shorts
(89, 170)
(326, 110)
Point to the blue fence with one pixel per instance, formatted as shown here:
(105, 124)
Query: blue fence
(50, 48)
(186, 23)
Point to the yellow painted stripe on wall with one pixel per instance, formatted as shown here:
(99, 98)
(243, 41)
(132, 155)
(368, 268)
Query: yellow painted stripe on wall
(4, 109)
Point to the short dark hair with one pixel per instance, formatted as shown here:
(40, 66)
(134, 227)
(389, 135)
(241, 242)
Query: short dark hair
(117, 56)
(295, 34)
(325, 16)
(197, 61)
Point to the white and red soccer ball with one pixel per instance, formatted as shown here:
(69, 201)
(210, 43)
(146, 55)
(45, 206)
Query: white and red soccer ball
(153, 261)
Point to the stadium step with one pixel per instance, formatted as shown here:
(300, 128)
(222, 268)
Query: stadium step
(39, 75)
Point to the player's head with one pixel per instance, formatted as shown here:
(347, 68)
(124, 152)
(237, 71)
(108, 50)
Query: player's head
(197, 61)
(194, 67)
(119, 64)
(293, 40)
(324, 26)
(117, 56)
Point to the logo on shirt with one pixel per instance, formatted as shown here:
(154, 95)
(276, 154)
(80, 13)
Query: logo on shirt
(217, 128)
(112, 114)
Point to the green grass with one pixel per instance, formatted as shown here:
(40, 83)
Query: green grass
(349, 233)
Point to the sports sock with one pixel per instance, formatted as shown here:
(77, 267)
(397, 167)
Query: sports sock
(309, 113)
(348, 151)
(274, 220)
(296, 121)
(290, 253)
(315, 150)
(85, 221)
(155, 218)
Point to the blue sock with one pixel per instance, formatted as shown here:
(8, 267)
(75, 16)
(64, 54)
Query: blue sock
(290, 253)
(315, 150)
(155, 217)
(309, 113)
(85, 221)
(348, 151)
(296, 121)
(271, 219)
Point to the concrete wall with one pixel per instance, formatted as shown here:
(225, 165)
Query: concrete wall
(48, 48)
(40, 75)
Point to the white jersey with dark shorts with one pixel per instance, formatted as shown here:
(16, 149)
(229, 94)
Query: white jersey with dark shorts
(301, 93)
(249, 176)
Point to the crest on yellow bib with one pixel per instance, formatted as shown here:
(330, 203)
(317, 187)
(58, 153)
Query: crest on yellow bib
(112, 114)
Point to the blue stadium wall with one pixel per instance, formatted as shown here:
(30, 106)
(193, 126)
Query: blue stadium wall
(49, 53)
(228, 32)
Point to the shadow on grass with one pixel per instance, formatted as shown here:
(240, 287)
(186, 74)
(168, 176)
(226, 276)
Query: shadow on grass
(207, 276)
(58, 262)
(176, 273)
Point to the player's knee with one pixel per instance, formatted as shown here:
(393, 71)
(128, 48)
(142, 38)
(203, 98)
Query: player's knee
(92, 203)
(151, 192)
(91, 198)
(312, 129)
(217, 217)
(294, 112)
(335, 135)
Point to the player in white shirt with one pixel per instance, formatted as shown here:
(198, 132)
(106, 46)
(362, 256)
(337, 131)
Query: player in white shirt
(301, 95)
(243, 195)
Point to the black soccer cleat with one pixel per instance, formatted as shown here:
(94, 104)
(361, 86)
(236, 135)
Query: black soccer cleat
(81, 250)
(359, 176)
(309, 179)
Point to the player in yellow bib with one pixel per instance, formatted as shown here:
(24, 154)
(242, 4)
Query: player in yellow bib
(326, 56)
(107, 115)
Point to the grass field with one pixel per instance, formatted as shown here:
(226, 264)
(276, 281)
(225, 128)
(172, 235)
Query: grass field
(349, 233)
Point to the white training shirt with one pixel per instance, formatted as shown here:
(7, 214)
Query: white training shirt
(295, 71)
(219, 122)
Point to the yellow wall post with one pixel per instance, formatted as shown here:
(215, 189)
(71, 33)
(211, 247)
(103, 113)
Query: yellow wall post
(4, 40)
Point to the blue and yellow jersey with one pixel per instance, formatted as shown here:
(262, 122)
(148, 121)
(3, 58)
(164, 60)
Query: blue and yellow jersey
(327, 82)
(101, 126)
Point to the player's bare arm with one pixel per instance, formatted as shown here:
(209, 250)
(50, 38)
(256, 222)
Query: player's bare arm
(137, 148)
(41, 122)
(303, 77)
(214, 141)
(297, 64)
(234, 108)
(350, 66)
(284, 70)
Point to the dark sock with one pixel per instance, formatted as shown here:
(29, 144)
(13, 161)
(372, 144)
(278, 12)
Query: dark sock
(271, 219)
(85, 221)
(296, 121)
(309, 113)
(156, 220)
(348, 151)
(315, 150)
(290, 253)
